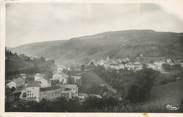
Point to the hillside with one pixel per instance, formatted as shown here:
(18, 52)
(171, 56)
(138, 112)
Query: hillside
(91, 83)
(16, 64)
(114, 44)
(170, 93)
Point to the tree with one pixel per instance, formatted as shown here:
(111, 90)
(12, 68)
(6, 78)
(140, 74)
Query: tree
(92, 103)
(140, 90)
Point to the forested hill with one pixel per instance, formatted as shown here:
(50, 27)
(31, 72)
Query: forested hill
(16, 64)
(113, 44)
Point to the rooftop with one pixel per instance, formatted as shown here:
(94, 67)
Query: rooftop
(19, 81)
(33, 84)
(49, 88)
(71, 86)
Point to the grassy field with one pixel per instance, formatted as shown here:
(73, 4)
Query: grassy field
(170, 93)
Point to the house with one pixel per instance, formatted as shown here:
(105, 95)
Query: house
(24, 76)
(137, 66)
(158, 65)
(125, 60)
(76, 79)
(38, 76)
(41, 78)
(15, 83)
(51, 93)
(151, 65)
(117, 66)
(34, 92)
(101, 62)
(31, 91)
(11, 85)
(60, 68)
(169, 61)
(92, 62)
(129, 66)
(118, 60)
(72, 88)
(61, 77)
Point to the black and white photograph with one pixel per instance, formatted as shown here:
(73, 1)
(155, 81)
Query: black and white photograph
(94, 57)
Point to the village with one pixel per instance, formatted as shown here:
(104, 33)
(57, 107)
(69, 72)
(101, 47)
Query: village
(138, 63)
(65, 83)
(40, 87)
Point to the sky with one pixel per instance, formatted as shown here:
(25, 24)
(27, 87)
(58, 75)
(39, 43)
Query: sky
(37, 22)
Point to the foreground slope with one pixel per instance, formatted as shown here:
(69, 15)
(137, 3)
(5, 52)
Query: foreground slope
(170, 93)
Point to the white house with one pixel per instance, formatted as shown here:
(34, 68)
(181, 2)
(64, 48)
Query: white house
(151, 65)
(137, 66)
(11, 84)
(18, 82)
(60, 68)
(92, 62)
(38, 76)
(61, 77)
(117, 66)
(31, 92)
(158, 65)
(101, 62)
(126, 60)
(129, 66)
(41, 78)
(24, 76)
(170, 61)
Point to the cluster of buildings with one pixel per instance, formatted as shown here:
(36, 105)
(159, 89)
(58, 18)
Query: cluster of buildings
(158, 64)
(33, 92)
(63, 84)
(40, 87)
(136, 64)
(118, 64)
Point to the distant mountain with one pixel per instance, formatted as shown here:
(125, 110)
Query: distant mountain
(113, 44)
